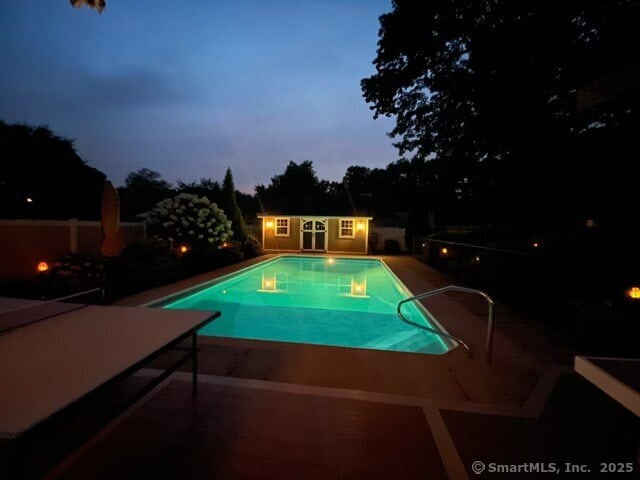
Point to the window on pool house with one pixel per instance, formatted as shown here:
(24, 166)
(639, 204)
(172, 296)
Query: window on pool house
(282, 227)
(346, 229)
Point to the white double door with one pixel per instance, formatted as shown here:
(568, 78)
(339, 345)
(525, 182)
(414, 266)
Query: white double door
(313, 234)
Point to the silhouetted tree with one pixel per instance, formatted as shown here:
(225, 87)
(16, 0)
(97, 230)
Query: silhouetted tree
(230, 206)
(485, 91)
(42, 176)
(205, 187)
(98, 5)
(297, 190)
(142, 189)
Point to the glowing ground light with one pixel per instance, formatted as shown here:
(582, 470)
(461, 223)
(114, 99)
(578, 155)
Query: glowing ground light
(444, 251)
(183, 249)
(535, 244)
(29, 199)
(634, 293)
(476, 258)
(225, 244)
(42, 267)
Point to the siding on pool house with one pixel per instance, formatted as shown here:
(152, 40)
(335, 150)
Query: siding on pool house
(315, 233)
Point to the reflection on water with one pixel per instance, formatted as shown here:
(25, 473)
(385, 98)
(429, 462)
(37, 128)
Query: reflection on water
(273, 282)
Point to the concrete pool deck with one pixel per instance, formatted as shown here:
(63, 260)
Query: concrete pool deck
(523, 351)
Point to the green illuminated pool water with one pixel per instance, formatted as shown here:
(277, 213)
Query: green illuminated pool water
(319, 300)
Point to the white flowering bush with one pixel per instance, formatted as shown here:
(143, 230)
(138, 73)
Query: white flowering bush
(189, 219)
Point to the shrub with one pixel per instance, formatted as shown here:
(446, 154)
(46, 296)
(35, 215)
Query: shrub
(72, 273)
(200, 260)
(391, 247)
(251, 247)
(189, 219)
(228, 256)
(141, 266)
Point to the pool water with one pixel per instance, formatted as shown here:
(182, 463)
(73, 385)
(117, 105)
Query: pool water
(319, 300)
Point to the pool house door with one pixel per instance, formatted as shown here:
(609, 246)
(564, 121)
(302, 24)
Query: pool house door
(313, 234)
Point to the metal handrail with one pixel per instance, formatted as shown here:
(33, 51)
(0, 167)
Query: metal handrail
(456, 288)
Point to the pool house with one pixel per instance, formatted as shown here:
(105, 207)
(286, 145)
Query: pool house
(309, 233)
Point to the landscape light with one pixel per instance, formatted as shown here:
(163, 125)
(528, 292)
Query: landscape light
(535, 244)
(444, 251)
(225, 245)
(42, 267)
(634, 293)
(476, 258)
(29, 199)
(183, 249)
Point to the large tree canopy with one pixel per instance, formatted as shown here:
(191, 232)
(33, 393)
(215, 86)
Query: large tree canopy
(142, 189)
(485, 90)
(98, 5)
(42, 176)
(299, 191)
(485, 77)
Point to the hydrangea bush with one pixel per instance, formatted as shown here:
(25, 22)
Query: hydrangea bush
(190, 219)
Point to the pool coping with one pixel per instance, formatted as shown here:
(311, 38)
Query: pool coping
(450, 344)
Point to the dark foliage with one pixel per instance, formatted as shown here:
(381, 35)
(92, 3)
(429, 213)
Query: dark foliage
(391, 247)
(42, 176)
(201, 259)
(142, 190)
(140, 266)
(231, 209)
(484, 96)
(251, 247)
(299, 191)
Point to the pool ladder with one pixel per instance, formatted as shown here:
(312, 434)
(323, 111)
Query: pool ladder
(453, 288)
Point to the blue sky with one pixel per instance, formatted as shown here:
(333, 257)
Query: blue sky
(189, 88)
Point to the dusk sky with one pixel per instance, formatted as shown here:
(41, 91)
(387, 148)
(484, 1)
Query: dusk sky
(189, 88)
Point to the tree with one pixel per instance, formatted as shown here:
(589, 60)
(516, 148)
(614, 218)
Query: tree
(297, 191)
(205, 187)
(231, 208)
(43, 177)
(142, 189)
(485, 91)
(98, 5)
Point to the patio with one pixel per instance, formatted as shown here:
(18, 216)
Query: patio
(284, 410)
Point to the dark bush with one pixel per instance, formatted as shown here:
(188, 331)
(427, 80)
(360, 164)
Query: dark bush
(228, 256)
(391, 247)
(251, 247)
(203, 259)
(69, 274)
(140, 266)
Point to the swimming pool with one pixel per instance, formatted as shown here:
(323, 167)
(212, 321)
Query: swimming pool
(337, 301)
